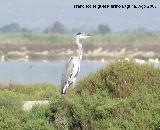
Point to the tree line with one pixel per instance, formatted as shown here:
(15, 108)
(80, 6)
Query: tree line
(13, 27)
(56, 27)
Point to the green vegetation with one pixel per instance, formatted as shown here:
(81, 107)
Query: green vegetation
(120, 79)
(31, 92)
(12, 117)
(121, 96)
(137, 39)
(31, 38)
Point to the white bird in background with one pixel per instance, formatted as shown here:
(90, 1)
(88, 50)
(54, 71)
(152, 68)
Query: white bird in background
(26, 58)
(2, 58)
(139, 61)
(156, 60)
(72, 67)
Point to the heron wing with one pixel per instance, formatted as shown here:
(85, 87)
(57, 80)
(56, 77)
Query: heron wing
(71, 70)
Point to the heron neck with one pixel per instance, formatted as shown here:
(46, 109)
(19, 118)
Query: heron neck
(80, 49)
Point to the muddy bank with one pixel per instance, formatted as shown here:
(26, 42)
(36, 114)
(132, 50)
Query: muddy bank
(62, 51)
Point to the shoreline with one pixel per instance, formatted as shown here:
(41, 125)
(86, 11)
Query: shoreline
(61, 51)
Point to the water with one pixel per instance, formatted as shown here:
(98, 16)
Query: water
(40, 72)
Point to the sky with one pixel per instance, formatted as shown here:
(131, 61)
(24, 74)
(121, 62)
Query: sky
(39, 14)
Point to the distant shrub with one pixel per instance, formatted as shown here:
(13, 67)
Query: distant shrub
(57, 27)
(103, 29)
(120, 79)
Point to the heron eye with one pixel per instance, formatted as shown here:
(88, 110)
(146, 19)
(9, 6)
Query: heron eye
(79, 33)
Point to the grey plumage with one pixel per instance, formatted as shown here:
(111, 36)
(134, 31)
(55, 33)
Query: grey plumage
(69, 74)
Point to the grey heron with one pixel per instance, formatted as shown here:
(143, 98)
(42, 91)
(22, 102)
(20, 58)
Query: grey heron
(72, 67)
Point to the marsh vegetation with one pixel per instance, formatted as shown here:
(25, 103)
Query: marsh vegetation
(59, 46)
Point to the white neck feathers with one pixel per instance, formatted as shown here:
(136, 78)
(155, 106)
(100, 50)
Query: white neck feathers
(80, 49)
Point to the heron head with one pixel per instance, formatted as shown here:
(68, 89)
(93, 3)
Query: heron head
(82, 35)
